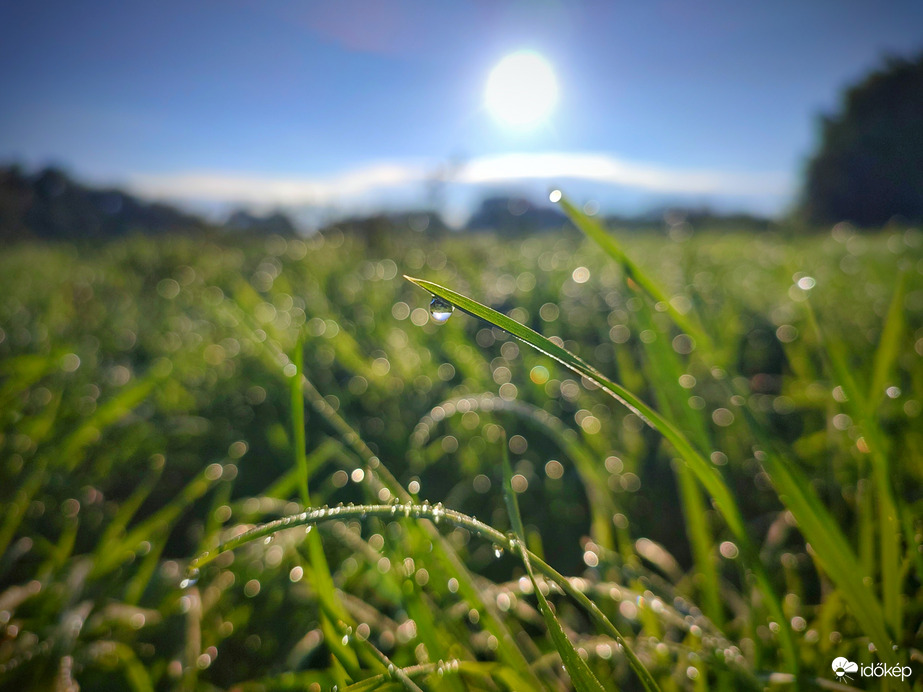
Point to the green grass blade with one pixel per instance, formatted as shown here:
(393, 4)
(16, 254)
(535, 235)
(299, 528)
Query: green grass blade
(509, 495)
(601, 503)
(889, 345)
(889, 523)
(829, 545)
(113, 410)
(298, 435)
(580, 673)
(705, 472)
(594, 230)
(15, 510)
(116, 528)
(663, 370)
(161, 520)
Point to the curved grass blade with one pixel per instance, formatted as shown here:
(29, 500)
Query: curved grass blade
(706, 473)
(579, 672)
(435, 513)
(602, 505)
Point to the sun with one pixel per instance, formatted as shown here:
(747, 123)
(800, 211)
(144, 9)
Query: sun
(522, 89)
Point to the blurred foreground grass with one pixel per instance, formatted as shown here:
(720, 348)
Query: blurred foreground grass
(146, 411)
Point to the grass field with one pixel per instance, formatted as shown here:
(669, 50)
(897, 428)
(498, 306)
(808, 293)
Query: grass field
(755, 512)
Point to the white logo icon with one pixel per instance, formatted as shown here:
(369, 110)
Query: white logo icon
(841, 666)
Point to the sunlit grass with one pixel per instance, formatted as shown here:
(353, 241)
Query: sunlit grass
(150, 399)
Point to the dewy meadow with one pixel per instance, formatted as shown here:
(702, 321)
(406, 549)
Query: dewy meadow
(405, 345)
(724, 499)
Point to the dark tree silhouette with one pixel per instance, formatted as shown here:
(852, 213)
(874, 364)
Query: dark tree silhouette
(50, 205)
(869, 166)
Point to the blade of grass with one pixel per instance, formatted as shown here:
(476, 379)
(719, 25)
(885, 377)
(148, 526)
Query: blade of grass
(298, 435)
(112, 411)
(116, 527)
(160, 521)
(15, 510)
(890, 528)
(830, 547)
(508, 650)
(885, 356)
(792, 488)
(594, 230)
(579, 672)
(706, 473)
(318, 570)
(602, 505)
(664, 370)
(437, 513)
(889, 345)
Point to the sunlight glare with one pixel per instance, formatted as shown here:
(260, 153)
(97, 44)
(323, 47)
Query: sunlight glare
(521, 89)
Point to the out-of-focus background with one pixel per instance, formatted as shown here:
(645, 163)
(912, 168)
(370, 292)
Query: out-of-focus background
(330, 110)
(192, 192)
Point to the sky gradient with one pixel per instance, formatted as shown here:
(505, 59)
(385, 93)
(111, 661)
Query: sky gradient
(352, 106)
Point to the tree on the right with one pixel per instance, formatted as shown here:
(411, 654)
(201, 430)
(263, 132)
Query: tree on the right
(868, 168)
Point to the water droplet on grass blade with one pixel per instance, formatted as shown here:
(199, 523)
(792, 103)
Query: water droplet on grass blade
(192, 578)
(440, 310)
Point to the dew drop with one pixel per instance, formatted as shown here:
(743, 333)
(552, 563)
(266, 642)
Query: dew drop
(267, 540)
(498, 551)
(192, 578)
(440, 310)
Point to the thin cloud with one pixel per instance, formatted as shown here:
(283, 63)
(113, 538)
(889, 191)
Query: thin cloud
(486, 170)
(602, 168)
(214, 186)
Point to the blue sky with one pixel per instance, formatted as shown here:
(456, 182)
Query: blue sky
(354, 105)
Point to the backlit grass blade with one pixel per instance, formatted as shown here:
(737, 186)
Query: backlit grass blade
(160, 521)
(706, 473)
(298, 436)
(520, 674)
(830, 547)
(889, 523)
(112, 411)
(889, 345)
(579, 672)
(127, 510)
(316, 566)
(562, 643)
(15, 510)
(601, 503)
(663, 370)
(594, 230)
